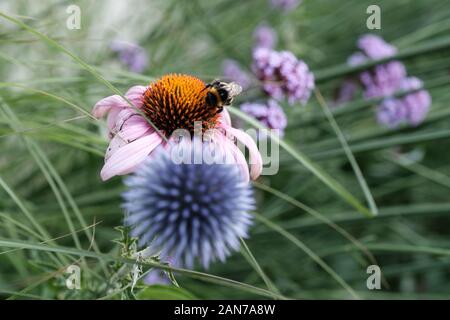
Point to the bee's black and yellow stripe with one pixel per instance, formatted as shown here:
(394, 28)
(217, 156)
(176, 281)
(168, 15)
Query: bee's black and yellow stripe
(213, 98)
(217, 95)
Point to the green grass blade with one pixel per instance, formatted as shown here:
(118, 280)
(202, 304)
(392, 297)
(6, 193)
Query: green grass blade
(349, 154)
(308, 251)
(254, 263)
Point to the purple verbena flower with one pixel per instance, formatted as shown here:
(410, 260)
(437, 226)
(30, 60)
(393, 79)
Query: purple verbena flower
(285, 5)
(131, 55)
(233, 71)
(283, 75)
(346, 92)
(411, 108)
(375, 47)
(270, 114)
(383, 79)
(265, 36)
(387, 79)
(391, 112)
(357, 58)
(418, 102)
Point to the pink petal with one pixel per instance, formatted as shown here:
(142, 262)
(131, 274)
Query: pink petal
(128, 157)
(116, 121)
(136, 95)
(112, 118)
(133, 128)
(238, 156)
(225, 117)
(255, 156)
(115, 143)
(105, 105)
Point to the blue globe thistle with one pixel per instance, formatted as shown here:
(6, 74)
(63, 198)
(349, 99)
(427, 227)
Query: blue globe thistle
(188, 210)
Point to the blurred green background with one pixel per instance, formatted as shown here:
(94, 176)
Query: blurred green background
(313, 243)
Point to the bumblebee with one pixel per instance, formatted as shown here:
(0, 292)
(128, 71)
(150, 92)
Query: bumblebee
(221, 94)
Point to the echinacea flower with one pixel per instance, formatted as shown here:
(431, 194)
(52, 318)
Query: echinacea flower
(411, 108)
(265, 36)
(188, 211)
(171, 103)
(232, 71)
(269, 114)
(131, 55)
(283, 75)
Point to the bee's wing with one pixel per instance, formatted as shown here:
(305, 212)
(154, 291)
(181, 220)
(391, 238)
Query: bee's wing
(234, 89)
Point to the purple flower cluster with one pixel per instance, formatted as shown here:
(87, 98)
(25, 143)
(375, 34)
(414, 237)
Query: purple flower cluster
(131, 55)
(233, 71)
(375, 47)
(285, 5)
(265, 36)
(270, 114)
(283, 75)
(346, 92)
(411, 108)
(384, 81)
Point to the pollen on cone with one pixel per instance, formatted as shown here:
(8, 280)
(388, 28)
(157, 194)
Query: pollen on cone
(177, 101)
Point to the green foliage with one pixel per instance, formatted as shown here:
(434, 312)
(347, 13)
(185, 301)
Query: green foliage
(160, 292)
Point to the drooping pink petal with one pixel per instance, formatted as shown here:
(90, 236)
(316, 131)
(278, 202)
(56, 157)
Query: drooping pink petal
(115, 143)
(134, 94)
(112, 118)
(106, 104)
(237, 155)
(255, 156)
(129, 156)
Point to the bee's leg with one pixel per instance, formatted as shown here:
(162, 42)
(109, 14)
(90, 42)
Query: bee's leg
(219, 109)
(209, 85)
